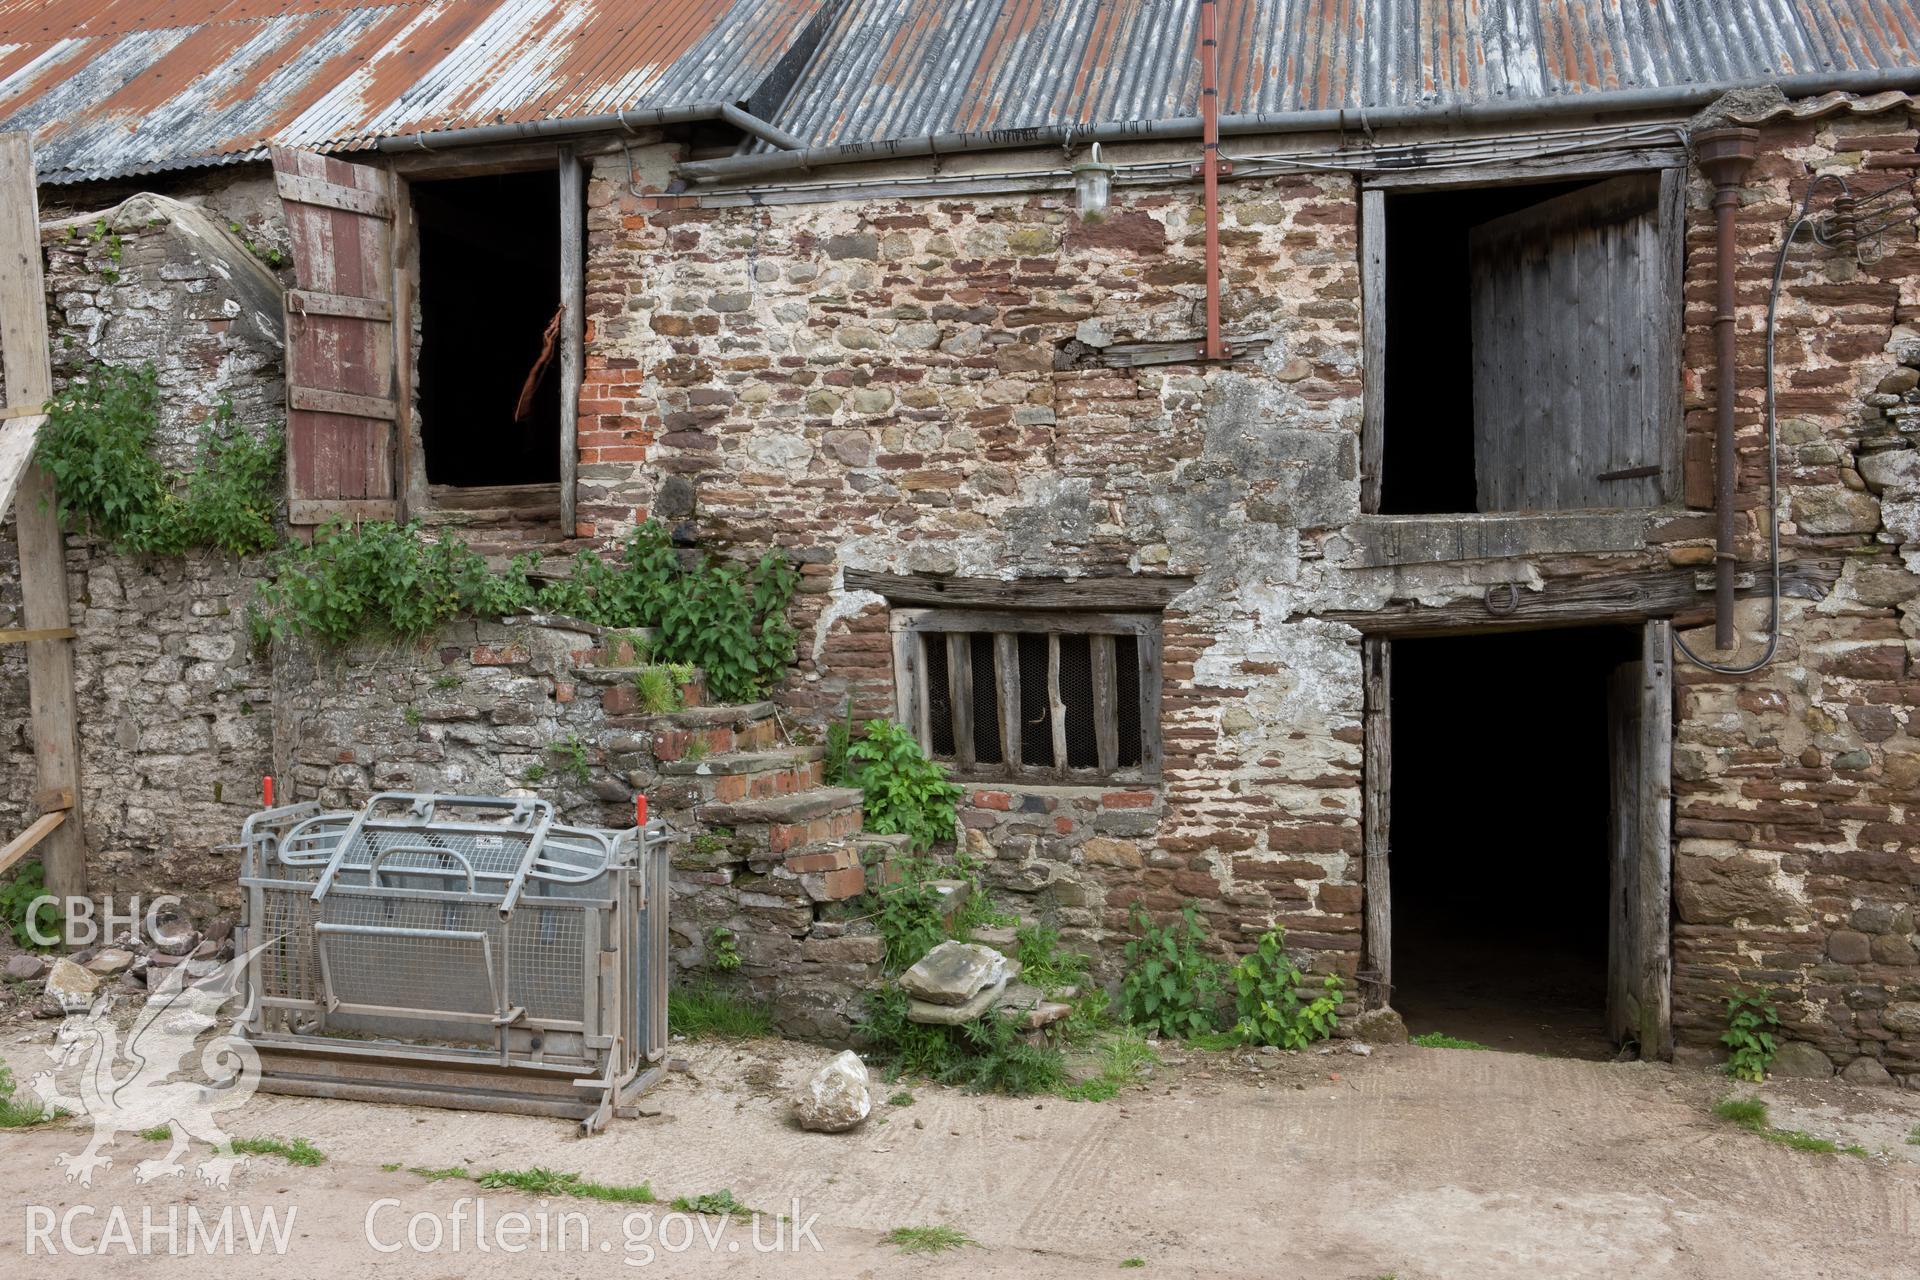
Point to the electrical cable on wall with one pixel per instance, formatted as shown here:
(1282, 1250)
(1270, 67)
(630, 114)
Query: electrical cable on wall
(1773, 446)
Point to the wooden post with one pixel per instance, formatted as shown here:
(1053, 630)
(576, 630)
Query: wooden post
(572, 333)
(43, 556)
(1656, 841)
(1376, 654)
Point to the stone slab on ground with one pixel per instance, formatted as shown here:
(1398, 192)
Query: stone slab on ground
(952, 1015)
(953, 973)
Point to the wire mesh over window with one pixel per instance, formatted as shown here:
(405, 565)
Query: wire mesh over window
(1077, 693)
(986, 702)
(1036, 713)
(933, 656)
(1126, 666)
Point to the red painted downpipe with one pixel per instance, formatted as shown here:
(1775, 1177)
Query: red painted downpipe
(1724, 155)
(1214, 349)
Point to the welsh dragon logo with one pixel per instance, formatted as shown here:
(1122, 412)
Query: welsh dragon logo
(129, 1086)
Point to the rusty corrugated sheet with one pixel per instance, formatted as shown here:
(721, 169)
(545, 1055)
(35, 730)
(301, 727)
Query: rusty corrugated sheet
(908, 68)
(116, 87)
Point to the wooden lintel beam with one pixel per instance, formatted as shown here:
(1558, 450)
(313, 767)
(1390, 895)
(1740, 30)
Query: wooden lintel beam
(1622, 597)
(1134, 591)
(27, 635)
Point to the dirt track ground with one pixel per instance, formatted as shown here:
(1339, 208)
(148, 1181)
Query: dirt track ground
(1414, 1163)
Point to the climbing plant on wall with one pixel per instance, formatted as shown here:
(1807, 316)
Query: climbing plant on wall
(97, 445)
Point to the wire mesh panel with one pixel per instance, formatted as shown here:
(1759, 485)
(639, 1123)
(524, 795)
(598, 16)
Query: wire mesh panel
(1076, 695)
(1036, 710)
(986, 700)
(1126, 665)
(939, 687)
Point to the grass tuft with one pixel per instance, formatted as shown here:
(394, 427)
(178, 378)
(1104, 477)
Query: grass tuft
(293, 1151)
(1748, 1113)
(159, 1133)
(719, 1204)
(439, 1175)
(15, 1114)
(708, 1013)
(1441, 1040)
(1913, 1138)
(1122, 1056)
(1133, 1262)
(904, 1098)
(929, 1239)
(539, 1181)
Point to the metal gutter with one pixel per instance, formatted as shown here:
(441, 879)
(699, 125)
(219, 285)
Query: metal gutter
(1684, 97)
(627, 121)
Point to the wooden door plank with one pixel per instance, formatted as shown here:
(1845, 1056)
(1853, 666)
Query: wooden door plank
(323, 194)
(1656, 841)
(1623, 862)
(25, 357)
(1373, 346)
(1376, 656)
(572, 333)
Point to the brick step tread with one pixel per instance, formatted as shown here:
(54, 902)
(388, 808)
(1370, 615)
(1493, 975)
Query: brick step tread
(801, 806)
(698, 717)
(746, 762)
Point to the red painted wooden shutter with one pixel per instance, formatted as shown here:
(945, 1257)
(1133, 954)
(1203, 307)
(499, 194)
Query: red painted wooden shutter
(342, 365)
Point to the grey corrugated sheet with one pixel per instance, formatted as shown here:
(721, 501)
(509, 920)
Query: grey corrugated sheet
(907, 68)
(114, 87)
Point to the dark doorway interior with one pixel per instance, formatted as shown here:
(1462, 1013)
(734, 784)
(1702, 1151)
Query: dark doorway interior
(489, 285)
(1500, 842)
(1426, 467)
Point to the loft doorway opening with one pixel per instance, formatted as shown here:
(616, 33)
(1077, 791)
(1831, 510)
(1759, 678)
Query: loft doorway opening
(488, 367)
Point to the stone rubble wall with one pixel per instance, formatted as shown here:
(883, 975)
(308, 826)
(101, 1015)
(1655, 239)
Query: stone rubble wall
(904, 385)
(176, 714)
(901, 385)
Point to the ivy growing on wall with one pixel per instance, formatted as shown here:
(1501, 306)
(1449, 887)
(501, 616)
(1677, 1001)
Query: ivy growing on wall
(380, 579)
(383, 580)
(97, 445)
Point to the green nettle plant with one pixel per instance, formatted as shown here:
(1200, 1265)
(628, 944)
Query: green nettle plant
(1171, 985)
(97, 445)
(903, 791)
(1267, 996)
(1751, 1020)
(19, 915)
(380, 580)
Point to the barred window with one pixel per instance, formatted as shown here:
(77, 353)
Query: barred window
(1045, 697)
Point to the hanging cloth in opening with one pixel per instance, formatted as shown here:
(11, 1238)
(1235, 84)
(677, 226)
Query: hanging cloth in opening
(538, 373)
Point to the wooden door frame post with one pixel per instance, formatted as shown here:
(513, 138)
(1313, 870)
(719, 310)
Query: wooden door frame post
(1376, 656)
(26, 357)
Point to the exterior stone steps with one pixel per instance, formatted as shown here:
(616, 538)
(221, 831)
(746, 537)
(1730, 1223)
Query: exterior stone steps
(697, 733)
(779, 825)
(753, 775)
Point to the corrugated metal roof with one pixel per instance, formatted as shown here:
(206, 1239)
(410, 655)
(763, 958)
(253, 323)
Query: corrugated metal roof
(907, 68)
(113, 87)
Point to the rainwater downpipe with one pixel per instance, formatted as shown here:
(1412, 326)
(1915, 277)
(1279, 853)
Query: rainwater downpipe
(1724, 155)
(1214, 349)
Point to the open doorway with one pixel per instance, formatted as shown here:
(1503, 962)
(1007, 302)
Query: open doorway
(1515, 837)
(489, 381)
